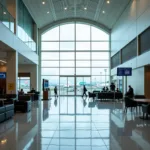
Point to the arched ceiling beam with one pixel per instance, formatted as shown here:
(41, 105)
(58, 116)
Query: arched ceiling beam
(69, 20)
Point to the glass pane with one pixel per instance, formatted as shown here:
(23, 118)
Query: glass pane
(79, 85)
(66, 55)
(50, 64)
(96, 83)
(50, 71)
(66, 63)
(82, 63)
(66, 45)
(71, 86)
(24, 84)
(100, 63)
(100, 46)
(98, 34)
(102, 71)
(51, 35)
(67, 32)
(82, 71)
(63, 85)
(82, 32)
(12, 24)
(83, 55)
(50, 56)
(66, 71)
(50, 46)
(82, 45)
(100, 82)
(1, 12)
(5, 18)
(100, 55)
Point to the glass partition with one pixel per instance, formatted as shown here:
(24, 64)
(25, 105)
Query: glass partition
(6, 18)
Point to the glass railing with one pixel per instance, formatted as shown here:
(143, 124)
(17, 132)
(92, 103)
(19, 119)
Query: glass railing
(9, 22)
(26, 38)
(6, 18)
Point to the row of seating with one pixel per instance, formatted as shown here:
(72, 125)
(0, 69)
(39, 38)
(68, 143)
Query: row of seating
(13, 104)
(106, 95)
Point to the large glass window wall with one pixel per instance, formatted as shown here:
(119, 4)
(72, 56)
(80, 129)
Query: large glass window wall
(73, 50)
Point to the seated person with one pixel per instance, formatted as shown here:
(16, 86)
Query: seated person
(104, 90)
(33, 90)
(21, 92)
(130, 92)
(117, 90)
(107, 89)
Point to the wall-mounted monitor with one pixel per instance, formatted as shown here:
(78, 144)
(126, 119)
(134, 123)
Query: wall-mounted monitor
(2, 75)
(124, 71)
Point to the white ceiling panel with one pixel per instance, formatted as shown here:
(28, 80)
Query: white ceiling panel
(76, 8)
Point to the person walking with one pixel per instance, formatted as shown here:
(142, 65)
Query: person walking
(84, 91)
(55, 91)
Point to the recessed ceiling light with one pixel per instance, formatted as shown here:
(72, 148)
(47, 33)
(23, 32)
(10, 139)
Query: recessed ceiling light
(108, 2)
(3, 61)
(48, 12)
(43, 2)
(65, 8)
(103, 12)
(85, 8)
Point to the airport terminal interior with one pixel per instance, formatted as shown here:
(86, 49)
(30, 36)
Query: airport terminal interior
(74, 75)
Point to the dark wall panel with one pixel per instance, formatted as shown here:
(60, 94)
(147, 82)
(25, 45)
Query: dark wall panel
(144, 41)
(115, 60)
(129, 51)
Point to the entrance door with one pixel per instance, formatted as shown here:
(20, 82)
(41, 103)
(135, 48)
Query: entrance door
(67, 86)
(73, 85)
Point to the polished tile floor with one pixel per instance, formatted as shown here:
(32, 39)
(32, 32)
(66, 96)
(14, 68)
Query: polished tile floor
(71, 123)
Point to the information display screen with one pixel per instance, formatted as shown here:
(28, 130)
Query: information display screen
(124, 71)
(2, 75)
(45, 84)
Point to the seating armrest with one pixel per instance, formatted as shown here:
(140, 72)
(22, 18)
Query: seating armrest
(9, 101)
(145, 107)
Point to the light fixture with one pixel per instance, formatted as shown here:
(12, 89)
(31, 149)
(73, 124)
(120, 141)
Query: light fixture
(65, 8)
(43, 2)
(3, 61)
(4, 13)
(48, 12)
(85, 8)
(103, 12)
(3, 141)
(108, 2)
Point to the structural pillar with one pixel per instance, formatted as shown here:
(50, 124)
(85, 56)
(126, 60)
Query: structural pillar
(12, 73)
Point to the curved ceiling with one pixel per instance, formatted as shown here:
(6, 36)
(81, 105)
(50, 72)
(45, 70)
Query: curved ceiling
(95, 10)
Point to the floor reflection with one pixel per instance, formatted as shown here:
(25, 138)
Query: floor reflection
(73, 123)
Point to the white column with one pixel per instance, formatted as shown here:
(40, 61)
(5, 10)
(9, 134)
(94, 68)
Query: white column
(12, 73)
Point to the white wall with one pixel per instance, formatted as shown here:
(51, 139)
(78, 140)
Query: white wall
(133, 21)
(33, 70)
(137, 81)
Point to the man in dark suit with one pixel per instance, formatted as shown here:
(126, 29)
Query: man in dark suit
(130, 92)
